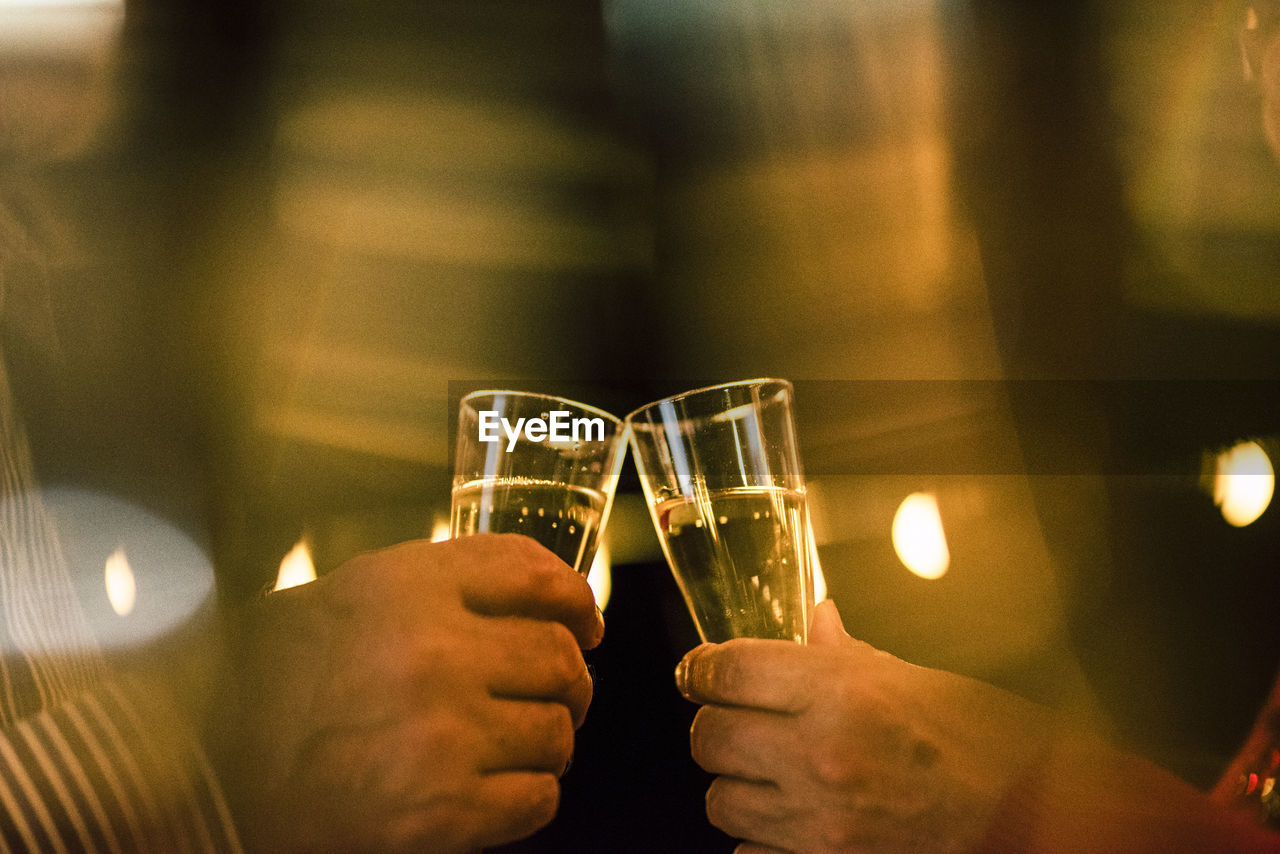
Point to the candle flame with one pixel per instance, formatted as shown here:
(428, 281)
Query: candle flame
(1244, 483)
(296, 568)
(122, 590)
(918, 537)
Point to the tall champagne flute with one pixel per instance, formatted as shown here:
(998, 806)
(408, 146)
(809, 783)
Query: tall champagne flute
(722, 477)
(538, 465)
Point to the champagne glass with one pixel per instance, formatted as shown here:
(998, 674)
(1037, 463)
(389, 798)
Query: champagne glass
(538, 465)
(722, 478)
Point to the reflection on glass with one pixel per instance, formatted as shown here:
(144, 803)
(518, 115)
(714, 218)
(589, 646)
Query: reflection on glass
(600, 577)
(819, 580)
(721, 475)
(551, 476)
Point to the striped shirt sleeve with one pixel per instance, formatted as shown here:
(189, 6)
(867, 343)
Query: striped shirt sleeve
(82, 768)
(94, 776)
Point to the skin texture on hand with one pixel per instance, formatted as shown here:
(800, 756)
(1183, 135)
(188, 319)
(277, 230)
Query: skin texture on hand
(420, 698)
(839, 747)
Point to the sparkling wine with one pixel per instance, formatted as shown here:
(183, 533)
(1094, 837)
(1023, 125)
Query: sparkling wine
(740, 557)
(565, 519)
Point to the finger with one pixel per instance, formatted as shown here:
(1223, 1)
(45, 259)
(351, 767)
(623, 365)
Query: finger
(511, 805)
(528, 736)
(763, 674)
(518, 577)
(753, 848)
(748, 810)
(743, 743)
(537, 660)
(827, 629)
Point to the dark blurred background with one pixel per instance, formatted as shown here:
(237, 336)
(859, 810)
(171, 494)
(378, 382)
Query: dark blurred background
(1023, 260)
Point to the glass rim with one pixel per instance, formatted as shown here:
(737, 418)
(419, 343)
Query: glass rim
(584, 407)
(758, 381)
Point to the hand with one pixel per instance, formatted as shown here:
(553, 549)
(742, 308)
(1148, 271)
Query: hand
(838, 747)
(421, 698)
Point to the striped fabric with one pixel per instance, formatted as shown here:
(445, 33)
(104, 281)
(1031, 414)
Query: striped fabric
(88, 777)
(80, 769)
(49, 654)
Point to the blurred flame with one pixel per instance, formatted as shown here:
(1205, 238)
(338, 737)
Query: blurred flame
(122, 590)
(1244, 483)
(59, 4)
(918, 537)
(80, 28)
(296, 568)
(440, 530)
(600, 576)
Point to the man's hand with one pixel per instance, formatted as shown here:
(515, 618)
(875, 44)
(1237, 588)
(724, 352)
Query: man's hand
(838, 747)
(421, 698)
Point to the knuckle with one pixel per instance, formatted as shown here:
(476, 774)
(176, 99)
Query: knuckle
(836, 768)
(512, 556)
(529, 553)
(837, 835)
(522, 545)
(534, 573)
(558, 657)
(562, 659)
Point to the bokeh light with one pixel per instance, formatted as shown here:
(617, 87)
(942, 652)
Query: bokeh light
(918, 537)
(122, 588)
(1243, 484)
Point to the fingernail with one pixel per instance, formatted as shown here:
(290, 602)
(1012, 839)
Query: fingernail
(682, 674)
(683, 668)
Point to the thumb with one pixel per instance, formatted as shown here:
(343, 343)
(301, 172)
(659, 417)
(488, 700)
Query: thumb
(826, 628)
